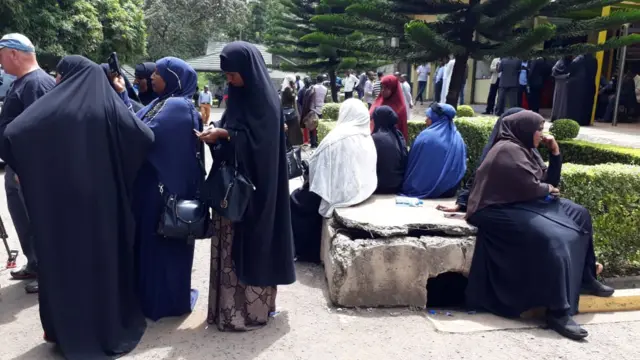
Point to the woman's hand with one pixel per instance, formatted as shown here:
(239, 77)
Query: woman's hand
(211, 135)
(554, 190)
(286, 127)
(550, 142)
(118, 84)
(448, 208)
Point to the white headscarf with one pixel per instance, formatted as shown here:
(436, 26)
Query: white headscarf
(342, 171)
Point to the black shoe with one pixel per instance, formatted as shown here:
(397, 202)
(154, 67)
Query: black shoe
(596, 288)
(486, 113)
(23, 274)
(566, 326)
(32, 287)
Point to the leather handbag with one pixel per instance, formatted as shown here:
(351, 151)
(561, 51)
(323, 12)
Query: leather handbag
(186, 219)
(294, 162)
(229, 191)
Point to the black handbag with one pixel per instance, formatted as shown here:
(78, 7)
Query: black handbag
(294, 162)
(185, 219)
(229, 191)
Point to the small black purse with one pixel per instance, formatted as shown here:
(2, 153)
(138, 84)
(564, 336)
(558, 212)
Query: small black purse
(229, 191)
(294, 162)
(185, 219)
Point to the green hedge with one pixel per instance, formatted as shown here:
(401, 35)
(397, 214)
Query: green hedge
(611, 192)
(565, 129)
(330, 111)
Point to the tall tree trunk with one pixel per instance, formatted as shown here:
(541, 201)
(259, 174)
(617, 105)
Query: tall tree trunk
(334, 87)
(457, 80)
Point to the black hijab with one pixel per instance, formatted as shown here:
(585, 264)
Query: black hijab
(144, 71)
(77, 151)
(263, 242)
(391, 149)
(511, 172)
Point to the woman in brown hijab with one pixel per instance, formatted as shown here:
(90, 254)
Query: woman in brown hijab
(533, 248)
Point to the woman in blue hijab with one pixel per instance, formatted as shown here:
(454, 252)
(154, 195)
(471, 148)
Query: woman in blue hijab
(438, 157)
(391, 148)
(251, 257)
(164, 265)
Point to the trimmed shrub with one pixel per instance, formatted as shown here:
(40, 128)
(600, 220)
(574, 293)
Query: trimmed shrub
(588, 153)
(324, 127)
(330, 111)
(565, 129)
(465, 111)
(611, 192)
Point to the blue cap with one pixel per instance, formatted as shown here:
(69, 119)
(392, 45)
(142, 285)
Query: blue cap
(17, 42)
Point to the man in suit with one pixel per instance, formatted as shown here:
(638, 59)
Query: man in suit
(509, 69)
(539, 71)
(495, 83)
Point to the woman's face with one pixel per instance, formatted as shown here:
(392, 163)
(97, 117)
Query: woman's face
(386, 92)
(537, 136)
(234, 79)
(428, 121)
(142, 84)
(157, 83)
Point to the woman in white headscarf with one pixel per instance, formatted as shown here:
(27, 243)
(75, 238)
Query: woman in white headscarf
(342, 173)
(446, 80)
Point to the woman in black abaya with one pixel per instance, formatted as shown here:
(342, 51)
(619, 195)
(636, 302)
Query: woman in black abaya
(77, 152)
(250, 258)
(533, 249)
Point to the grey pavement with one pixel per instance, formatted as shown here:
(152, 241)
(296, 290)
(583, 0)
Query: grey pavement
(309, 328)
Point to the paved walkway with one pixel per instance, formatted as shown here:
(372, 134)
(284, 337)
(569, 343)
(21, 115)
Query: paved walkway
(627, 135)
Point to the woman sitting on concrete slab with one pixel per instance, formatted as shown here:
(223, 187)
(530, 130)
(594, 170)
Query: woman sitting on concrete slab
(522, 223)
(438, 157)
(391, 149)
(342, 173)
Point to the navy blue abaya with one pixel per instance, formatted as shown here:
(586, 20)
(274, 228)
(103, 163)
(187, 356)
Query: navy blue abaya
(164, 265)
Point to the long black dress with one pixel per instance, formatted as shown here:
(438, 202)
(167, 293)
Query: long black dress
(533, 254)
(582, 87)
(77, 152)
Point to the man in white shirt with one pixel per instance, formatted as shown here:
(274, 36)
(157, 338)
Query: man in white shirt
(320, 93)
(205, 105)
(495, 84)
(368, 89)
(437, 81)
(424, 71)
(350, 83)
(406, 91)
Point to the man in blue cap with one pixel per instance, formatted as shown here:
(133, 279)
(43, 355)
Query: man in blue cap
(18, 58)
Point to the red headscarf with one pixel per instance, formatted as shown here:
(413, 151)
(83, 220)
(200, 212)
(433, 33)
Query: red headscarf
(395, 101)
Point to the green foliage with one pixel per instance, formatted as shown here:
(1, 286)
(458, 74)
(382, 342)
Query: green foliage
(93, 28)
(465, 111)
(330, 111)
(588, 153)
(611, 192)
(565, 129)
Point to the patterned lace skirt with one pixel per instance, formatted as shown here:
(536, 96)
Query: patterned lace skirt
(234, 306)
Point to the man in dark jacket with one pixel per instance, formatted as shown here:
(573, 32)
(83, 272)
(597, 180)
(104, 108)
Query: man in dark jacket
(539, 71)
(509, 69)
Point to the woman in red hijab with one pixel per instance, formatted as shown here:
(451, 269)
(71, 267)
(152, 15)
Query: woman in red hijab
(391, 95)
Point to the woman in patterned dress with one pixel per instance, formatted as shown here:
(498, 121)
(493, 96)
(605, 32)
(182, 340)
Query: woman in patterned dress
(251, 257)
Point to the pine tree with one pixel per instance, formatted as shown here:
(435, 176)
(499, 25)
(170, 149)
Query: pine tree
(289, 38)
(470, 29)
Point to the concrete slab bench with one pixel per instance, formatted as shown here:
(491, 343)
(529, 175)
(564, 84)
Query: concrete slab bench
(378, 254)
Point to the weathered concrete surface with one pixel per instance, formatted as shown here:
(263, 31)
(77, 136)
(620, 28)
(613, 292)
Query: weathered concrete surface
(383, 218)
(390, 272)
(385, 265)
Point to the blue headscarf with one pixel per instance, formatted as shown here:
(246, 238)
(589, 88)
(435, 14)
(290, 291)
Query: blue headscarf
(438, 156)
(391, 149)
(172, 117)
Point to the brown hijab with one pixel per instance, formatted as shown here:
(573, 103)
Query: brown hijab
(511, 172)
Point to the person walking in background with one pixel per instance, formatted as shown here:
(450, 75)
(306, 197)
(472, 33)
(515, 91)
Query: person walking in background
(377, 85)
(424, 71)
(493, 89)
(368, 90)
(218, 95)
(320, 93)
(406, 92)
(523, 91)
(539, 71)
(196, 98)
(438, 81)
(362, 80)
(350, 84)
(464, 83)
(509, 83)
(205, 105)
(18, 58)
